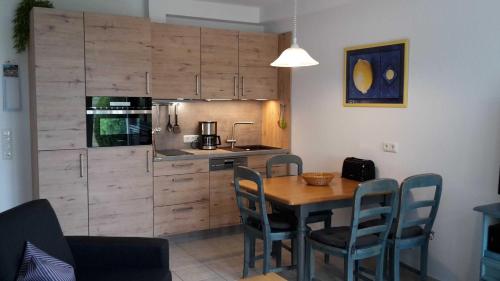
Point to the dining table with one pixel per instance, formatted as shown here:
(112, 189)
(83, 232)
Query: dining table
(294, 193)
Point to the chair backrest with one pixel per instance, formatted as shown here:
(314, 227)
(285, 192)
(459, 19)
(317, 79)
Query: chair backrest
(386, 210)
(283, 159)
(406, 206)
(36, 222)
(252, 206)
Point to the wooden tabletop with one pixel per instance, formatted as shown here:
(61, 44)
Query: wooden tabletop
(293, 190)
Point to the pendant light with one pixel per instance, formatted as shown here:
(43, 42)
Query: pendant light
(294, 56)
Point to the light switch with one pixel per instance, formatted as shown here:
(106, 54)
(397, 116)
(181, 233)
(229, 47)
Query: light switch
(7, 144)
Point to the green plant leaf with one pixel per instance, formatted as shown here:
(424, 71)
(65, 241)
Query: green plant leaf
(21, 22)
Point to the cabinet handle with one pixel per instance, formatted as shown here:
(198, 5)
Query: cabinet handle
(197, 85)
(183, 209)
(182, 165)
(182, 179)
(235, 81)
(81, 165)
(242, 86)
(147, 161)
(148, 86)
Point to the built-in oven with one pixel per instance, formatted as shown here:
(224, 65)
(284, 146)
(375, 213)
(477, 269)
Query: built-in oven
(118, 121)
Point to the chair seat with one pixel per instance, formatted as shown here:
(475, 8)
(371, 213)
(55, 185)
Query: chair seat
(339, 237)
(408, 232)
(277, 222)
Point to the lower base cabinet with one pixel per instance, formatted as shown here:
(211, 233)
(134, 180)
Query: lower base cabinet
(62, 179)
(181, 218)
(223, 208)
(120, 191)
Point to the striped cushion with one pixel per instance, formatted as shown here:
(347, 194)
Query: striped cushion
(39, 266)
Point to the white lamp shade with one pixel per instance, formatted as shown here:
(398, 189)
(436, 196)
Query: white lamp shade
(294, 57)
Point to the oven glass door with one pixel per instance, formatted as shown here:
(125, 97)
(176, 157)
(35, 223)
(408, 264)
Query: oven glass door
(105, 130)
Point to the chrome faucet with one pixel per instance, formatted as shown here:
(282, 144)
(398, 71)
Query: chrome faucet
(232, 140)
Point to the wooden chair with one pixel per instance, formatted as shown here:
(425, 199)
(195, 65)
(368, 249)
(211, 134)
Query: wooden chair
(258, 224)
(353, 243)
(411, 233)
(314, 217)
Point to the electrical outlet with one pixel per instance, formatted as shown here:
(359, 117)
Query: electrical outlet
(391, 147)
(6, 144)
(190, 138)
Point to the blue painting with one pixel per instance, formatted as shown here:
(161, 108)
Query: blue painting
(376, 75)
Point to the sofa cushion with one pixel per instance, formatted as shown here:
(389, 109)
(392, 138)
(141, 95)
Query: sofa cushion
(39, 266)
(36, 222)
(123, 274)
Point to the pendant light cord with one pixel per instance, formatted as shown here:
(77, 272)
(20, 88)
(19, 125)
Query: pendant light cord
(295, 23)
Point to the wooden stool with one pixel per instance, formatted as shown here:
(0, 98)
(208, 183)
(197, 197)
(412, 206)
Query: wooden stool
(268, 277)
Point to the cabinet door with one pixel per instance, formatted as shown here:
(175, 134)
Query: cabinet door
(62, 179)
(258, 80)
(223, 208)
(181, 218)
(175, 61)
(117, 55)
(219, 64)
(120, 191)
(179, 189)
(57, 80)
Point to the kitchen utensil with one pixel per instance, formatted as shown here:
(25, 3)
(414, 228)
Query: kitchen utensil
(318, 178)
(169, 124)
(177, 128)
(281, 121)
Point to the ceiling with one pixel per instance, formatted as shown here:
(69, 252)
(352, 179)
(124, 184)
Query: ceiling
(253, 3)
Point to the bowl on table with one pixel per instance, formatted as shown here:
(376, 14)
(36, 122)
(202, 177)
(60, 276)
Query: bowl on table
(318, 179)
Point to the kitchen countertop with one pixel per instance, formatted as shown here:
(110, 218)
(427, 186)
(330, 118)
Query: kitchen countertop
(218, 153)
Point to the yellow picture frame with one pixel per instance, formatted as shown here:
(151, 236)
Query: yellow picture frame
(404, 104)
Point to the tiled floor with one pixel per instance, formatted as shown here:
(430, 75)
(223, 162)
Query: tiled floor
(215, 256)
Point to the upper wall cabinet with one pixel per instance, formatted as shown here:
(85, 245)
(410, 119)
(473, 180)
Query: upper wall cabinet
(176, 61)
(258, 80)
(219, 64)
(117, 55)
(57, 80)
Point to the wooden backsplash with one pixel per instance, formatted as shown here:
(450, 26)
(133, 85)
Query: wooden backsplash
(224, 112)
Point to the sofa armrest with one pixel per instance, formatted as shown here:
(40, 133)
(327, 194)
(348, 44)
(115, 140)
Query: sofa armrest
(116, 252)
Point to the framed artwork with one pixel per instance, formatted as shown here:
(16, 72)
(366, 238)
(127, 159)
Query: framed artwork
(376, 75)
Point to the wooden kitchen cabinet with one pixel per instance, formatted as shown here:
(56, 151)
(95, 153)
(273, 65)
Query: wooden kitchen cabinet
(183, 218)
(179, 189)
(120, 191)
(223, 208)
(117, 55)
(62, 179)
(258, 80)
(175, 61)
(57, 80)
(219, 64)
(180, 167)
(181, 196)
(259, 162)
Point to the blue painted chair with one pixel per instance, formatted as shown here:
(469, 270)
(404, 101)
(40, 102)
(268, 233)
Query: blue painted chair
(258, 224)
(314, 217)
(353, 243)
(411, 233)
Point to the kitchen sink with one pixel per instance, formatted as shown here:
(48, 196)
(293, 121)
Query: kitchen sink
(249, 148)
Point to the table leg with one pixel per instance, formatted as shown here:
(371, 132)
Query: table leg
(301, 213)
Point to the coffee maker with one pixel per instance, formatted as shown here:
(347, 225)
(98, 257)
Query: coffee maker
(208, 140)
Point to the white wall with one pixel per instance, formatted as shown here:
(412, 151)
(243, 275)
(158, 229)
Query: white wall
(452, 124)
